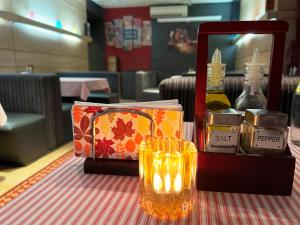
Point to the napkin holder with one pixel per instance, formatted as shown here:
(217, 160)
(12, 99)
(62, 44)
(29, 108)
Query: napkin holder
(242, 173)
(113, 166)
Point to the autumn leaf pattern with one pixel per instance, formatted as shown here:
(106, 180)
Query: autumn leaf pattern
(83, 132)
(122, 129)
(138, 138)
(111, 117)
(87, 148)
(159, 133)
(159, 115)
(130, 145)
(77, 113)
(104, 148)
(77, 147)
(122, 135)
(178, 134)
(93, 109)
(120, 150)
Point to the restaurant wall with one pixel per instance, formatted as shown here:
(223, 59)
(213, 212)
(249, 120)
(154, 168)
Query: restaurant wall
(138, 58)
(254, 10)
(47, 50)
(164, 58)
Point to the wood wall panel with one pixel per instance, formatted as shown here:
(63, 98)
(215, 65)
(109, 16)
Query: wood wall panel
(5, 5)
(6, 40)
(71, 14)
(47, 60)
(8, 69)
(286, 11)
(29, 38)
(287, 4)
(7, 58)
(47, 50)
(262, 42)
(51, 69)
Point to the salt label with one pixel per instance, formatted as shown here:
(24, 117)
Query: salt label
(268, 139)
(223, 139)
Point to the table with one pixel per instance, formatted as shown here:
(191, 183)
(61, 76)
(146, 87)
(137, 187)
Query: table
(69, 196)
(79, 86)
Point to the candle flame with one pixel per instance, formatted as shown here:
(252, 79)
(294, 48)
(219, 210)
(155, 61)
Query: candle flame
(167, 182)
(141, 171)
(157, 182)
(178, 183)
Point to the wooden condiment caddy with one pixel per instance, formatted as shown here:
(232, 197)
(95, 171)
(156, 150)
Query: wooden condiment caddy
(242, 173)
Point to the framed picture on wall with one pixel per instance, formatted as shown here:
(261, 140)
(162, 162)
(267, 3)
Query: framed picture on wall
(137, 32)
(109, 33)
(147, 33)
(118, 28)
(127, 33)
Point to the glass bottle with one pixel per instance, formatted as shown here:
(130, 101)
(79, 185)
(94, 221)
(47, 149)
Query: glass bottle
(252, 96)
(216, 99)
(295, 118)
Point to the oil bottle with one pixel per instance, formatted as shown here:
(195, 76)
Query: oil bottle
(252, 96)
(216, 99)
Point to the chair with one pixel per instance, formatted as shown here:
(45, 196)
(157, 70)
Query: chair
(38, 94)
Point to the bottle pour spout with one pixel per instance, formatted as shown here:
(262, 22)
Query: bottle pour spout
(216, 69)
(255, 56)
(217, 57)
(254, 69)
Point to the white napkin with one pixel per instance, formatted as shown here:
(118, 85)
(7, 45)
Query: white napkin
(3, 117)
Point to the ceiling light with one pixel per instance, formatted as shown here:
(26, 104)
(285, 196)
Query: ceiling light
(189, 19)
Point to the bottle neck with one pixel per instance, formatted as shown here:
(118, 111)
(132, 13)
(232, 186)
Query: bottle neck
(215, 78)
(252, 87)
(218, 88)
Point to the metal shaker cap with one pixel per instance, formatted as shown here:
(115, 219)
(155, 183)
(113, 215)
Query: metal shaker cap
(266, 118)
(226, 117)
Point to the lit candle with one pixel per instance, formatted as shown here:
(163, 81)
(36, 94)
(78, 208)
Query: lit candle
(178, 183)
(167, 174)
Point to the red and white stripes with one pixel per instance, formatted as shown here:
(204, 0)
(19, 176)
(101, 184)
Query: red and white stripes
(68, 196)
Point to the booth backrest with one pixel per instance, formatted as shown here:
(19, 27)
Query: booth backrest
(35, 93)
(184, 89)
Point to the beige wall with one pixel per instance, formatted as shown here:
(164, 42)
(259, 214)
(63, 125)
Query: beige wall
(48, 51)
(253, 9)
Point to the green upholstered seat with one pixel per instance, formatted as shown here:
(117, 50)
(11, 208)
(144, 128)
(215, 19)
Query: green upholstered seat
(23, 138)
(151, 94)
(35, 93)
(102, 97)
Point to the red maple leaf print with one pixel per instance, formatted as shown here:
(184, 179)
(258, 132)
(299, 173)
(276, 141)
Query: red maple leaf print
(83, 131)
(122, 129)
(103, 148)
(93, 109)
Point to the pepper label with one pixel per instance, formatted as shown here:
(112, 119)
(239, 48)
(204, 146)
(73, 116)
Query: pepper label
(223, 139)
(268, 139)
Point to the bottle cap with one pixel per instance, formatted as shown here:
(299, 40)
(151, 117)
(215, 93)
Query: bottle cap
(216, 68)
(254, 69)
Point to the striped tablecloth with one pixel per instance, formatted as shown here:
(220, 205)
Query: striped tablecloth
(68, 196)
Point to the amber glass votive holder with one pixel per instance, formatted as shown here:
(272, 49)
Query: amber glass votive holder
(167, 173)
